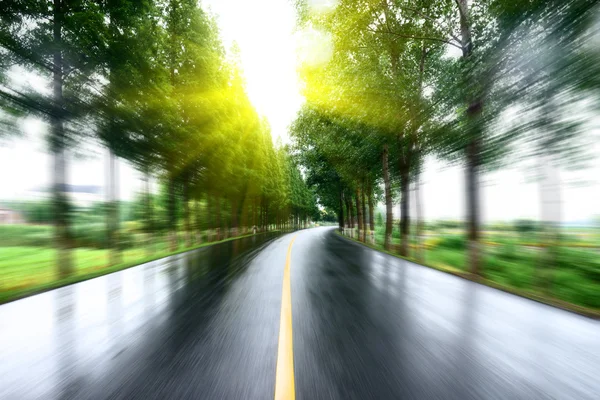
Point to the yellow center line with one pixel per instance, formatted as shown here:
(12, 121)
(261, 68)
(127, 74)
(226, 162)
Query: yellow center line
(284, 378)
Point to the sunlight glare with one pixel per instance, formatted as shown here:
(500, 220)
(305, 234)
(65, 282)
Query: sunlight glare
(315, 47)
(321, 6)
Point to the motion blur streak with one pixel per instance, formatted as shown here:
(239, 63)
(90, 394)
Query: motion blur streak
(459, 135)
(366, 326)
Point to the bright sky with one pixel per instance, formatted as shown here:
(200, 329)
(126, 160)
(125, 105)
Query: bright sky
(265, 33)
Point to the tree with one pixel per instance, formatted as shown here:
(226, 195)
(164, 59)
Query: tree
(376, 78)
(59, 40)
(384, 55)
(151, 81)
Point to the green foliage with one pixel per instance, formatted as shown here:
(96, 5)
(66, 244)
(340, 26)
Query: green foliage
(151, 81)
(453, 242)
(530, 63)
(328, 216)
(449, 224)
(379, 221)
(525, 226)
(35, 212)
(582, 262)
(26, 235)
(500, 226)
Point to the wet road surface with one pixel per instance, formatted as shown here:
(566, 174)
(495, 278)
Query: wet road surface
(205, 325)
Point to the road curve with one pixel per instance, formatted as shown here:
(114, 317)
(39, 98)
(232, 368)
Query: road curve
(206, 325)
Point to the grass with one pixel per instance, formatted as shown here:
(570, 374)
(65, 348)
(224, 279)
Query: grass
(28, 265)
(26, 235)
(572, 283)
(446, 258)
(28, 270)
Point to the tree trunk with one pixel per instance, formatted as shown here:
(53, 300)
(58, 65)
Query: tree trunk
(341, 212)
(210, 216)
(112, 210)
(267, 217)
(227, 221)
(364, 212)
(418, 200)
(243, 219)
(148, 214)
(198, 220)
(58, 144)
(473, 147)
(388, 200)
(62, 231)
(186, 212)
(261, 214)
(253, 212)
(371, 209)
(112, 198)
(352, 214)
(358, 213)
(473, 206)
(218, 217)
(172, 215)
(419, 228)
(348, 216)
(234, 217)
(404, 211)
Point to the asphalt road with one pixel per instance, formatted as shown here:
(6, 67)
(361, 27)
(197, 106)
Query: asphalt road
(206, 325)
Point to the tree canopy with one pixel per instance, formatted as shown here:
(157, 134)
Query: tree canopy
(151, 81)
(466, 81)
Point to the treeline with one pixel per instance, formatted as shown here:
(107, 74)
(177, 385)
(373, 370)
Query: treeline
(479, 83)
(151, 81)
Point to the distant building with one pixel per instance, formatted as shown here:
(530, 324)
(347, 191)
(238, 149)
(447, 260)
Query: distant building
(10, 217)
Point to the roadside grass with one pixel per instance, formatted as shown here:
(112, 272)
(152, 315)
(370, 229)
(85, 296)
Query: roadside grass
(572, 282)
(584, 240)
(28, 266)
(27, 270)
(446, 258)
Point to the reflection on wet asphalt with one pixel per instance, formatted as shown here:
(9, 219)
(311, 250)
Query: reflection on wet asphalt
(205, 324)
(175, 328)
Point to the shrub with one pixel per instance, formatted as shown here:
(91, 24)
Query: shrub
(524, 226)
(449, 224)
(432, 242)
(584, 263)
(453, 242)
(90, 235)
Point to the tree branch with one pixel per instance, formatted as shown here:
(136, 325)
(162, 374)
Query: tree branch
(434, 39)
(420, 14)
(416, 11)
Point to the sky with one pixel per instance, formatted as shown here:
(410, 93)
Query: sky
(265, 33)
(264, 30)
